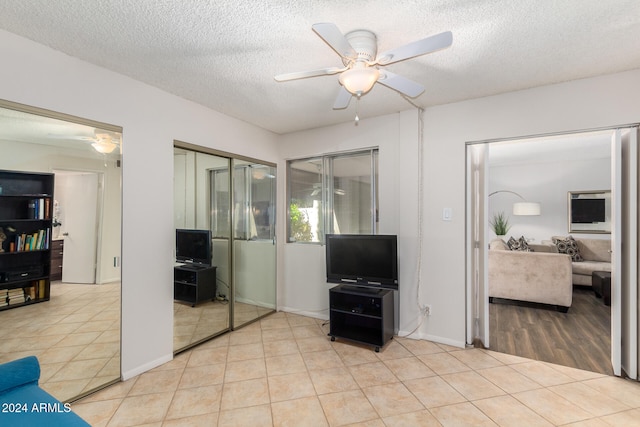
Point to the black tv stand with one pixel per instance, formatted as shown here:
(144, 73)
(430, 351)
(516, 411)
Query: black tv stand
(361, 314)
(191, 266)
(194, 283)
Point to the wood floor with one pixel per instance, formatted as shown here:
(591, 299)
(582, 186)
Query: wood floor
(580, 338)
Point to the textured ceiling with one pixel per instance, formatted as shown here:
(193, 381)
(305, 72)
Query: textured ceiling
(224, 54)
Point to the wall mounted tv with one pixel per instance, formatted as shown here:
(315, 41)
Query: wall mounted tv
(362, 259)
(193, 246)
(587, 211)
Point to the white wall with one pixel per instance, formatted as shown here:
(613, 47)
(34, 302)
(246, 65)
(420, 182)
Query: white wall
(547, 183)
(578, 105)
(151, 119)
(301, 267)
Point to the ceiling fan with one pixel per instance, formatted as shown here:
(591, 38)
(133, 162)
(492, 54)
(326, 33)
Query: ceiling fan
(102, 142)
(358, 50)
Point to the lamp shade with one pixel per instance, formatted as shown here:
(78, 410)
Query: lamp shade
(360, 80)
(526, 208)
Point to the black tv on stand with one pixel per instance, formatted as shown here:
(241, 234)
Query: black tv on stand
(368, 260)
(193, 247)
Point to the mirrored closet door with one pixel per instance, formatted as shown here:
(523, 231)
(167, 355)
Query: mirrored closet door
(67, 313)
(238, 210)
(202, 198)
(254, 249)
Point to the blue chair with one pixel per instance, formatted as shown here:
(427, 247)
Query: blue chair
(24, 403)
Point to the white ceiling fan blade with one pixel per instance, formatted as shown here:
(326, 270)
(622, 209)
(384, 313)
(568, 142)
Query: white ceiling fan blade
(401, 84)
(417, 48)
(342, 100)
(335, 39)
(310, 73)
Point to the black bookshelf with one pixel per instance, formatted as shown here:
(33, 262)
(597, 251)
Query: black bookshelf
(26, 206)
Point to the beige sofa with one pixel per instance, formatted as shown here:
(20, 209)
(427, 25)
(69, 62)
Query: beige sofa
(596, 254)
(541, 276)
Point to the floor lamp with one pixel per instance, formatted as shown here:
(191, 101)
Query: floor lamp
(523, 208)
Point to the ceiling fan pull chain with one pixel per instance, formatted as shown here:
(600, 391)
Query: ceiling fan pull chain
(357, 107)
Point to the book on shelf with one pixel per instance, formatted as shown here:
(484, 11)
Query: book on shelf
(38, 240)
(39, 236)
(33, 292)
(31, 209)
(38, 208)
(16, 296)
(41, 286)
(16, 300)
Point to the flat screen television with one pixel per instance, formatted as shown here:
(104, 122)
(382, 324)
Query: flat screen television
(587, 211)
(363, 260)
(193, 246)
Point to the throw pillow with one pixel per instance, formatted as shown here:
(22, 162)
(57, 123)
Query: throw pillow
(568, 246)
(519, 245)
(524, 246)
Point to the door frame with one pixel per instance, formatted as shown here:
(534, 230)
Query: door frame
(472, 208)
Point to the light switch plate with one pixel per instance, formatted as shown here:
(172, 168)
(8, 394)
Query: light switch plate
(447, 214)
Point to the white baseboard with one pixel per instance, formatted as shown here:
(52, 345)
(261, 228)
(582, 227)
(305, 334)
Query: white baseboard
(256, 303)
(322, 315)
(433, 338)
(146, 367)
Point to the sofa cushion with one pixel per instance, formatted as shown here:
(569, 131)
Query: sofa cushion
(568, 246)
(595, 249)
(498, 245)
(587, 267)
(543, 247)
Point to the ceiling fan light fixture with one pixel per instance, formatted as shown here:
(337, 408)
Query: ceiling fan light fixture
(104, 146)
(359, 80)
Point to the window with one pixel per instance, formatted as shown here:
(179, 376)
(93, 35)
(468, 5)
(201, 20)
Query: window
(335, 193)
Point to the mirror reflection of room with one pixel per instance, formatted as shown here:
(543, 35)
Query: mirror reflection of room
(196, 321)
(72, 322)
(254, 250)
(238, 212)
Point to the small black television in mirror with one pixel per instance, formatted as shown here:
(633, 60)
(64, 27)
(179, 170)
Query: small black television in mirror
(193, 246)
(363, 260)
(587, 211)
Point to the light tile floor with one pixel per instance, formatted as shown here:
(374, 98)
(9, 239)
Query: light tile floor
(285, 371)
(75, 336)
(208, 318)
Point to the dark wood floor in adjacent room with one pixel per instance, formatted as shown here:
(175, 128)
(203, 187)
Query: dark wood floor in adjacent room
(580, 338)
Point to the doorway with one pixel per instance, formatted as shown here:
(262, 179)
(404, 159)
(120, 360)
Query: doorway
(609, 155)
